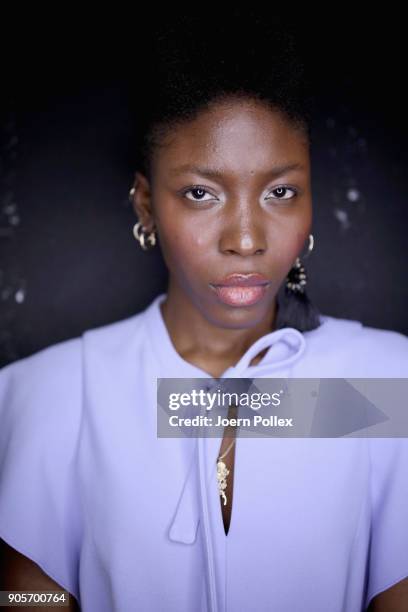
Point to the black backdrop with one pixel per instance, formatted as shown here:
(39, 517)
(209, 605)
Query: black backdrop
(68, 257)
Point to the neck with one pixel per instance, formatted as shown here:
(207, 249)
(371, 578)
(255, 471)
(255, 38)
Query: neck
(204, 343)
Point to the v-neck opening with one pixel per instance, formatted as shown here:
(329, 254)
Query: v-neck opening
(228, 535)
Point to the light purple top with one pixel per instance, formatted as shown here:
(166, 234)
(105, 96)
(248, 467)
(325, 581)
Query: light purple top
(127, 521)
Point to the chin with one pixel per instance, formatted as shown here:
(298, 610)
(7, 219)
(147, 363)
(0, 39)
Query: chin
(239, 317)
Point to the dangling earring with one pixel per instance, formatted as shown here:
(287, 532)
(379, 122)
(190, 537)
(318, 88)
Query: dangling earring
(296, 279)
(146, 240)
(294, 307)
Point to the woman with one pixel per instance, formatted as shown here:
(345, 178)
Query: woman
(94, 502)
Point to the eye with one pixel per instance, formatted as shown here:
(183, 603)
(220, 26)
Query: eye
(198, 192)
(281, 192)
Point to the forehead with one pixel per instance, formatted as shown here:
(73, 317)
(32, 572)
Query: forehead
(235, 137)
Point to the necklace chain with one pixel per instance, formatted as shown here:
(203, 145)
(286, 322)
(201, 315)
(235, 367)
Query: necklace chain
(227, 451)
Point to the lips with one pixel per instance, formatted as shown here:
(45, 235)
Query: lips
(241, 289)
(238, 279)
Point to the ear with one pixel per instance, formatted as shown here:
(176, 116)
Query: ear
(141, 201)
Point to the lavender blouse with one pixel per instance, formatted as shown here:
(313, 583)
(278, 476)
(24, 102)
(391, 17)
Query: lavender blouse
(127, 521)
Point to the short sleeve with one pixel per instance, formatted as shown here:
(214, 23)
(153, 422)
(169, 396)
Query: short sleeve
(40, 412)
(388, 549)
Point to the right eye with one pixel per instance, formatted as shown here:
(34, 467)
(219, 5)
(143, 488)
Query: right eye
(199, 193)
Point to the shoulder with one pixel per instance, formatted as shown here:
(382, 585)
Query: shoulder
(46, 387)
(51, 372)
(51, 359)
(113, 337)
(40, 403)
(353, 349)
(59, 365)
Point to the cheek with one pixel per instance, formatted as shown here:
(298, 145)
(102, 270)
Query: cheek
(295, 246)
(185, 247)
(189, 240)
(299, 242)
(286, 244)
(284, 247)
(201, 240)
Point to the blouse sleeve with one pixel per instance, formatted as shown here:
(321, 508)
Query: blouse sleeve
(388, 550)
(40, 409)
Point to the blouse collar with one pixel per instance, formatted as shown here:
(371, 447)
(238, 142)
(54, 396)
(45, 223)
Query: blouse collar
(286, 346)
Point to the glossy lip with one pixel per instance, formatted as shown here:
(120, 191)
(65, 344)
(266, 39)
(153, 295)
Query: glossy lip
(239, 279)
(241, 289)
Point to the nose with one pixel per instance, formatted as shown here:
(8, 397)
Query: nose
(243, 231)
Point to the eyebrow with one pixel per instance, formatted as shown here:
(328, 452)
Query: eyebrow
(213, 173)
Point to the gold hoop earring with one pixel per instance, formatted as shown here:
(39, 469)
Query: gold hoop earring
(310, 246)
(146, 240)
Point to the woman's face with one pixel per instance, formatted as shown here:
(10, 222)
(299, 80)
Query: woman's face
(230, 193)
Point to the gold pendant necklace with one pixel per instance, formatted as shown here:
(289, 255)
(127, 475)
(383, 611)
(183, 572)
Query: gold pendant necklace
(222, 473)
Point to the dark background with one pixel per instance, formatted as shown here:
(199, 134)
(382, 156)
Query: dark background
(68, 257)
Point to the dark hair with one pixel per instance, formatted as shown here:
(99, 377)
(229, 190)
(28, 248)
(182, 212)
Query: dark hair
(195, 62)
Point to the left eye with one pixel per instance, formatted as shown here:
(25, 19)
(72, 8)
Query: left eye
(282, 190)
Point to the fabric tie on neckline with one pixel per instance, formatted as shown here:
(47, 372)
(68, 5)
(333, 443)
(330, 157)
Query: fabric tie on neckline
(286, 346)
